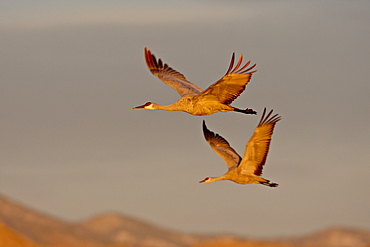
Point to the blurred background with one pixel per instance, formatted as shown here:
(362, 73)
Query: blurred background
(71, 145)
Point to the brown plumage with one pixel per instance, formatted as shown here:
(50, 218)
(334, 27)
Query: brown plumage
(249, 169)
(194, 100)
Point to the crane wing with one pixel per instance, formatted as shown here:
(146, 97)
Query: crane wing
(232, 84)
(221, 147)
(258, 146)
(170, 76)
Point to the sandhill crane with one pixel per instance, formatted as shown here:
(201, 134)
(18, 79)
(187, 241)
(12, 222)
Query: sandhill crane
(194, 100)
(248, 169)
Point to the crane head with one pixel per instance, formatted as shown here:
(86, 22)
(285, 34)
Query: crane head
(206, 180)
(147, 105)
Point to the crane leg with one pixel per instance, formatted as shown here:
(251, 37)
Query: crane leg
(269, 184)
(246, 111)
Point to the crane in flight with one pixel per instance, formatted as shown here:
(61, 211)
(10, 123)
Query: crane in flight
(246, 170)
(194, 100)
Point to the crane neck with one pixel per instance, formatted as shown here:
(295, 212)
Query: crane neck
(171, 107)
(214, 179)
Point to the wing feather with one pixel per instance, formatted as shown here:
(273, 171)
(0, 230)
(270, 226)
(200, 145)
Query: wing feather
(170, 76)
(258, 146)
(220, 146)
(232, 84)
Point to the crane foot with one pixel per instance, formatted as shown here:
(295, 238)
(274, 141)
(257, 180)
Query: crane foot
(246, 111)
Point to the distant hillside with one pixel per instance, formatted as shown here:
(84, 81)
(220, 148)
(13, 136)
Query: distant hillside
(234, 242)
(43, 229)
(9, 238)
(334, 237)
(122, 229)
(21, 226)
(109, 229)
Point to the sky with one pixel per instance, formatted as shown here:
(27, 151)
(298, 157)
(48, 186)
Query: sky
(72, 146)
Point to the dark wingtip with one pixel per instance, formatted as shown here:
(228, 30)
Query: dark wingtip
(205, 129)
(206, 132)
(231, 63)
(267, 119)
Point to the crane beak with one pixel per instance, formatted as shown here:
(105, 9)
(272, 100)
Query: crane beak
(139, 107)
(202, 181)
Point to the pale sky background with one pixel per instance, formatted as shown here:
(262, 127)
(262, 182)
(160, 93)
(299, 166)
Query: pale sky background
(71, 145)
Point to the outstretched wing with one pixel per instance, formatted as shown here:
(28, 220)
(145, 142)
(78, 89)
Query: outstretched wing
(221, 147)
(258, 146)
(231, 85)
(170, 76)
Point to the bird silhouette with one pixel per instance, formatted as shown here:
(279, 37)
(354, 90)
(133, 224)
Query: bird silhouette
(249, 169)
(194, 100)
